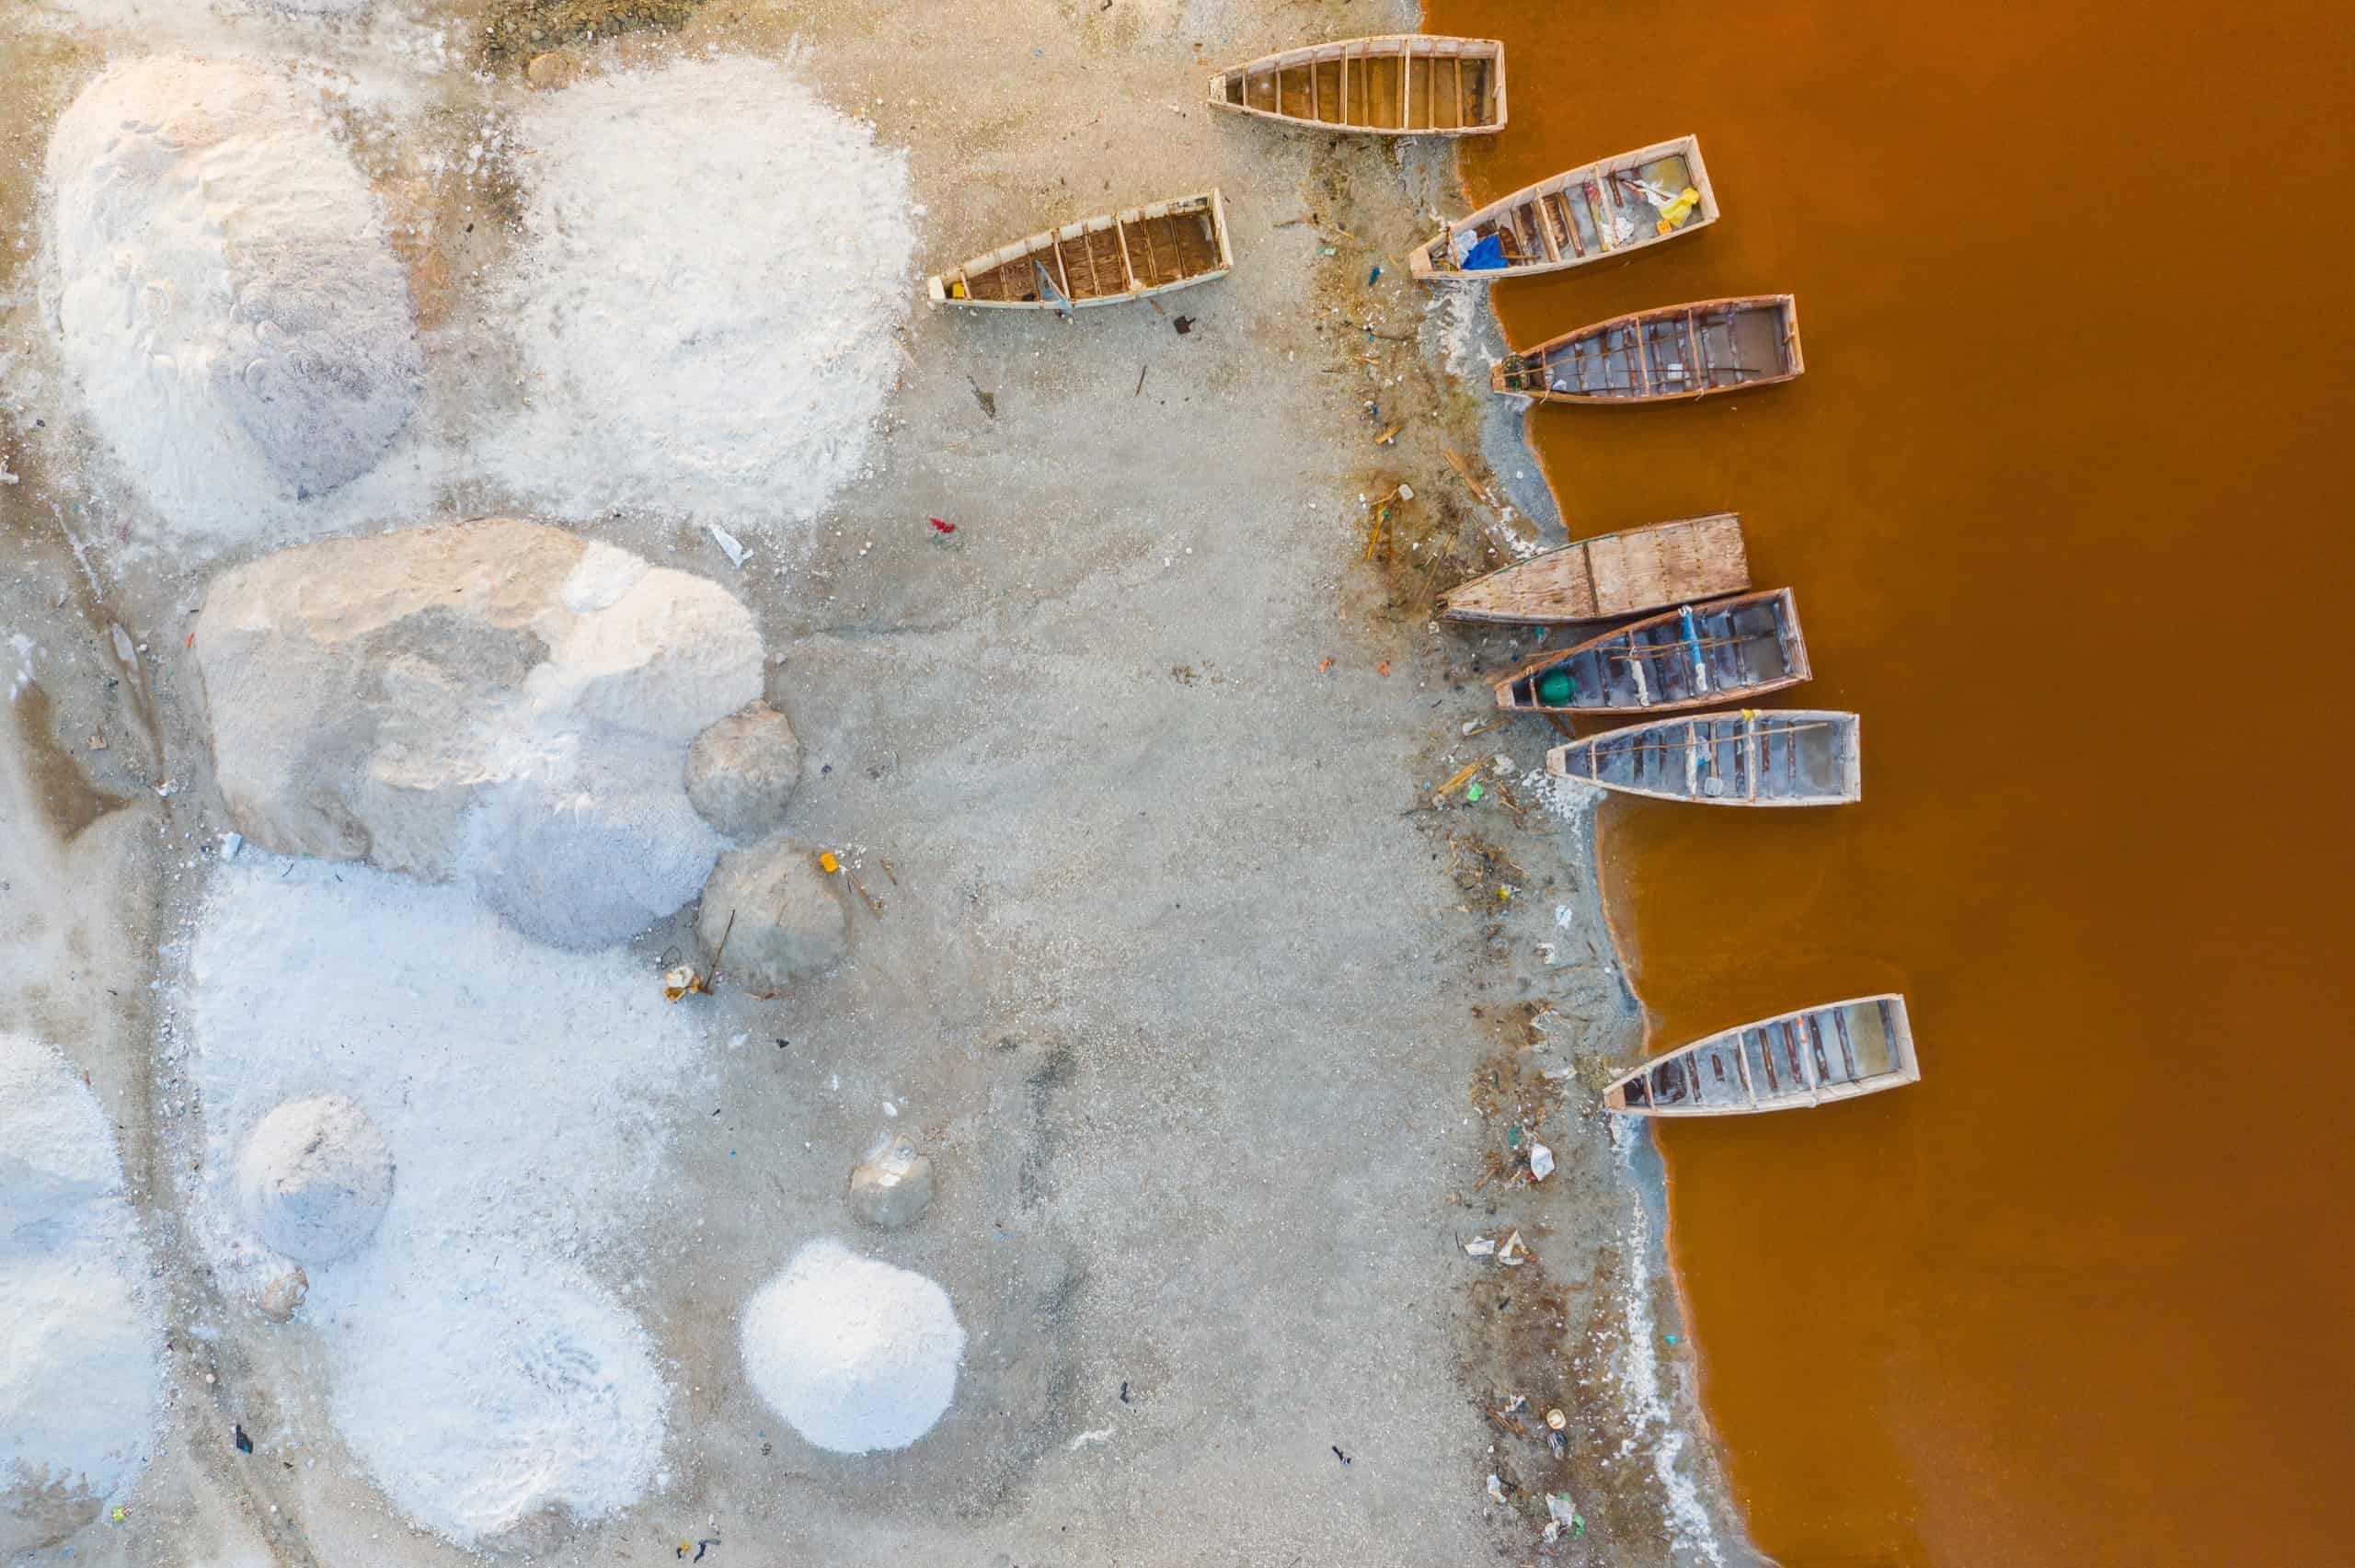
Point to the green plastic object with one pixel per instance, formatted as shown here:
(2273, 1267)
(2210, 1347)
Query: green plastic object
(1556, 687)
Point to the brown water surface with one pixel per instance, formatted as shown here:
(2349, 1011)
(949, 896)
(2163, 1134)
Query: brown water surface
(2064, 499)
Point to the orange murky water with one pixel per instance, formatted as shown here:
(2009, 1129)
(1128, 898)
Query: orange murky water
(2064, 498)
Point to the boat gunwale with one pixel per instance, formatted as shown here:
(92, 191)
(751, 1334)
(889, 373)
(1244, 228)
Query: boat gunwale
(1492, 50)
(1852, 773)
(1909, 1070)
(1788, 303)
(1786, 602)
(1421, 260)
(1212, 201)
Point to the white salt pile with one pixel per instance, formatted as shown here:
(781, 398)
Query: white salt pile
(314, 1178)
(714, 264)
(238, 322)
(496, 702)
(480, 1367)
(78, 1368)
(857, 1355)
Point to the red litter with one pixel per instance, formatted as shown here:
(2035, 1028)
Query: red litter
(944, 527)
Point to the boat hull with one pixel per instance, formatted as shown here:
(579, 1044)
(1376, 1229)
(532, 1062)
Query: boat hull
(1675, 354)
(1612, 576)
(1393, 84)
(1699, 656)
(1797, 1060)
(1598, 211)
(1120, 257)
(1758, 757)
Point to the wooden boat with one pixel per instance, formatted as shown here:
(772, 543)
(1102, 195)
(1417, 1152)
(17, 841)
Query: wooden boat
(1399, 84)
(1812, 1057)
(1103, 261)
(1611, 575)
(1695, 656)
(1771, 756)
(1663, 356)
(1602, 210)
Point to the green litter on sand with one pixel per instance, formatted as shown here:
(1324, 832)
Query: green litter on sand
(1556, 687)
(1473, 792)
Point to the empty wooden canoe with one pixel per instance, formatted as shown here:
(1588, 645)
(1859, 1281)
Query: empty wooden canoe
(1695, 656)
(1611, 575)
(1104, 260)
(1772, 757)
(1401, 85)
(1602, 210)
(1813, 1057)
(1663, 356)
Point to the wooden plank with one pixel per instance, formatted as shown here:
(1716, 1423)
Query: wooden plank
(1315, 98)
(1128, 268)
(1345, 87)
(1405, 86)
(1459, 87)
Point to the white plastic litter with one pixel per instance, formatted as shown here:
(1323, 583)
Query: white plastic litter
(1541, 1161)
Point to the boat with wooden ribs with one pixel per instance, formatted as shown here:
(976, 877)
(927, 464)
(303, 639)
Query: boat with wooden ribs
(1694, 656)
(1813, 1057)
(1399, 84)
(1756, 757)
(1608, 209)
(1612, 575)
(1104, 260)
(1668, 355)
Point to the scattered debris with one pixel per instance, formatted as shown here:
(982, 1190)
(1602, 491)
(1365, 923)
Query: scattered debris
(1455, 781)
(942, 526)
(683, 980)
(1383, 669)
(892, 1186)
(1512, 1255)
(1340, 1455)
(1386, 437)
(988, 400)
(1496, 1487)
(1323, 665)
(1140, 391)
(1184, 324)
(237, 1435)
(1556, 1419)
(1541, 1161)
(1481, 1246)
(730, 545)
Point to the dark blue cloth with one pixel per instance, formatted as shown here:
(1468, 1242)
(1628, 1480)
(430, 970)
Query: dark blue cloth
(1485, 256)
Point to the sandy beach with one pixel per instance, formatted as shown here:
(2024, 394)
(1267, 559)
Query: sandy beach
(1222, 1038)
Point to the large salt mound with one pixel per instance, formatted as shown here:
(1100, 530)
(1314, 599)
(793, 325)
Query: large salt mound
(495, 703)
(78, 1371)
(713, 266)
(237, 321)
(474, 1359)
(855, 1355)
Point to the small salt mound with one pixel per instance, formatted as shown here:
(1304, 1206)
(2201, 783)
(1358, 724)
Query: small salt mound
(314, 1178)
(237, 321)
(78, 1370)
(713, 266)
(857, 1355)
